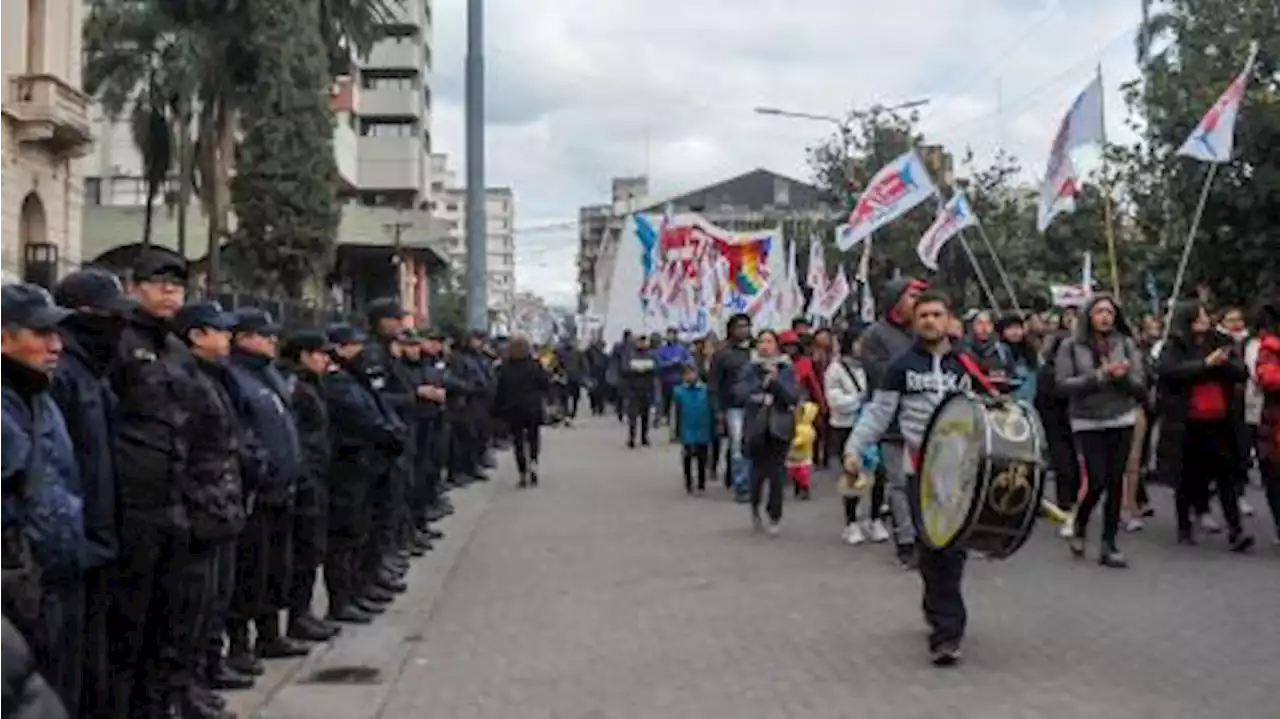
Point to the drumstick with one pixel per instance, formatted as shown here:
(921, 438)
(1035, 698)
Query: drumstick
(1052, 512)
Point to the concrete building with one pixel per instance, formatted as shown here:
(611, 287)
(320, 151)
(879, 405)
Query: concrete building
(500, 213)
(598, 228)
(46, 127)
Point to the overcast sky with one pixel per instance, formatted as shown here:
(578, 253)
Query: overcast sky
(580, 91)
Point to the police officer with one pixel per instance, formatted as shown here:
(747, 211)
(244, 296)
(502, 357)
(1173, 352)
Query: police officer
(470, 411)
(43, 524)
(215, 491)
(306, 355)
(366, 443)
(265, 550)
(438, 386)
(388, 558)
(90, 335)
(162, 578)
(407, 350)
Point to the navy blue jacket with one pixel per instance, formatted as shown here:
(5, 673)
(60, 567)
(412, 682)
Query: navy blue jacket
(43, 498)
(262, 399)
(367, 439)
(83, 394)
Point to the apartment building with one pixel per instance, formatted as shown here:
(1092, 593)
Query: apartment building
(382, 136)
(598, 229)
(500, 213)
(46, 127)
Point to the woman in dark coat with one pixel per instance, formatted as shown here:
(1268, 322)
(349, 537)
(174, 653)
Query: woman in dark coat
(1198, 371)
(520, 402)
(767, 387)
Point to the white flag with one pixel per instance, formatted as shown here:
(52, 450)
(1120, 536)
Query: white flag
(867, 304)
(1214, 138)
(833, 295)
(953, 217)
(896, 188)
(816, 277)
(790, 300)
(1082, 125)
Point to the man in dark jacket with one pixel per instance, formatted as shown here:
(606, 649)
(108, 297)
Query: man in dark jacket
(883, 342)
(90, 336)
(265, 551)
(438, 387)
(468, 411)
(41, 490)
(367, 442)
(726, 365)
(597, 363)
(638, 372)
(163, 579)
(307, 355)
(221, 459)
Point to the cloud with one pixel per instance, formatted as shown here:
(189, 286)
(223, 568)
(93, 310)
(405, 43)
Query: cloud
(580, 91)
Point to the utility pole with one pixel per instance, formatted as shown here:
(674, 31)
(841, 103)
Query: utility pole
(394, 230)
(477, 222)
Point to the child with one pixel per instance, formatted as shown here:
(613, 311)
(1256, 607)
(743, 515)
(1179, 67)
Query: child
(693, 424)
(800, 456)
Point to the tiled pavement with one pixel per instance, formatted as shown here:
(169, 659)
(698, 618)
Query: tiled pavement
(607, 593)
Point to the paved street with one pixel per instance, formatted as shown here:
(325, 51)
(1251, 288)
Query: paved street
(607, 593)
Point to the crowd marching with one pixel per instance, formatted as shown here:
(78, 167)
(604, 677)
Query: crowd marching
(177, 478)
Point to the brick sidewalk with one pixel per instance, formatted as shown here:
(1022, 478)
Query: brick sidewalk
(607, 593)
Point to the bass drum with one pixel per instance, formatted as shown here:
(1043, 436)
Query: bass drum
(981, 475)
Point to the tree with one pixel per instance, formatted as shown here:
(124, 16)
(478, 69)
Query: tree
(351, 27)
(1189, 52)
(284, 192)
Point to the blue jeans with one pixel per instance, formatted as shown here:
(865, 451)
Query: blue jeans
(739, 465)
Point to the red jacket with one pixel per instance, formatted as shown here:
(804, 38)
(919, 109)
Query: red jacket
(809, 381)
(1268, 374)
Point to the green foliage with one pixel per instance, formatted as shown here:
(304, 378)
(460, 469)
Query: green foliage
(286, 176)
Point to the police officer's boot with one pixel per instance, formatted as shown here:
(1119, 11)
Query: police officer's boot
(222, 677)
(271, 645)
(240, 656)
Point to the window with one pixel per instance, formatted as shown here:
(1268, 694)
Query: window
(451, 207)
(399, 33)
(93, 190)
(781, 192)
(388, 128)
(389, 80)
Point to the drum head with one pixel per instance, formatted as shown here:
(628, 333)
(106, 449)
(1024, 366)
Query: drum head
(949, 471)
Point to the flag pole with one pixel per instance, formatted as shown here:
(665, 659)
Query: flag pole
(1107, 219)
(973, 259)
(1186, 250)
(1004, 276)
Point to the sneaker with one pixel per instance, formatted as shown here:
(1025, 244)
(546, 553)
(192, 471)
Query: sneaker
(1245, 508)
(1113, 558)
(1209, 524)
(1076, 545)
(773, 527)
(853, 535)
(946, 654)
(1068, 529)
(1241, 542)
(1133, 525)
(879, 533)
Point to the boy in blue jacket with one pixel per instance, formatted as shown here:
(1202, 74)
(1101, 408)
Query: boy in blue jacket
(673, 355)
(693, 423)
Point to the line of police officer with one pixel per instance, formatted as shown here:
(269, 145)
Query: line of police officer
(175, 478)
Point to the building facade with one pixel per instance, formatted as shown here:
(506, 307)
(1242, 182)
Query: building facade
(500, 214)
(598, 229)
(46, 128)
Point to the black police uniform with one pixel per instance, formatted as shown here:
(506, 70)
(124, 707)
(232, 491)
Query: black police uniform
(366, 443)
(87, 403)
(163, 576)
(311, 506)
(265, 551)
(433, 436)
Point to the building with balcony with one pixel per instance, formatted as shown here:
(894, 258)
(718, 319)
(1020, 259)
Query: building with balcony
(500, 213)
(46, 127)
(598, 229)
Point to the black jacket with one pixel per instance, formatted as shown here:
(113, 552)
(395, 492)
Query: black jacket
(151, 378)
(522, 392)
(726, 365)
(366, 441)
(312, 416)
(637, 371)
(262, 401)
(26, 694)
(88, 404)
(213, 491)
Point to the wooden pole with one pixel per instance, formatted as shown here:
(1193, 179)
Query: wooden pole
(1186, 250)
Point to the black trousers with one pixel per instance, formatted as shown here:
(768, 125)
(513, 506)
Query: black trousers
(572, 397)
(1209, 463)
(158, 597)
(1063, 458)
(942, 572)
(596, 395)
(1105, 452)
(637, 418)
(381, 538)
(96, 680)
(526, 443)
(695, 456)
(222, 587)
(309, 541)
(264, 559)
(427, 464)
(463, 438)
(59, 646)
(768, 467)
(667, 396)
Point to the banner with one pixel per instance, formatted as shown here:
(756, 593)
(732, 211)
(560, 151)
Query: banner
(816, 275)
(1214, 138)
(827, 302)
(682, 271)
(896, 188)
(953, 217)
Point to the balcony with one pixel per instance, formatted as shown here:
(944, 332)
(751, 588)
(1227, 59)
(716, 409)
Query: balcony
(390, 163)
(396, 52)
(50, 113)
(391, 102)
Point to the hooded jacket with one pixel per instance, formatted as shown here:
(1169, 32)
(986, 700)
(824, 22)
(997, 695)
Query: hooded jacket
(1267, 376)
(887, 339)
(1096, 402)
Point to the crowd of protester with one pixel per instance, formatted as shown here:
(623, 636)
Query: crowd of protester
(177, 478)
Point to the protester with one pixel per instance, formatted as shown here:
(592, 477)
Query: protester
(1052, 406)
(694, 424)
(519, 401)
(672, 357)
(845, 383)
(1020, 360)
(1266, 373)
(1100, 371)
(810, 383)
(767, 389)
(1198, 372)
(638, 369)
(597, 363)
(574, 365)
(822, 352)
(726, 365)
